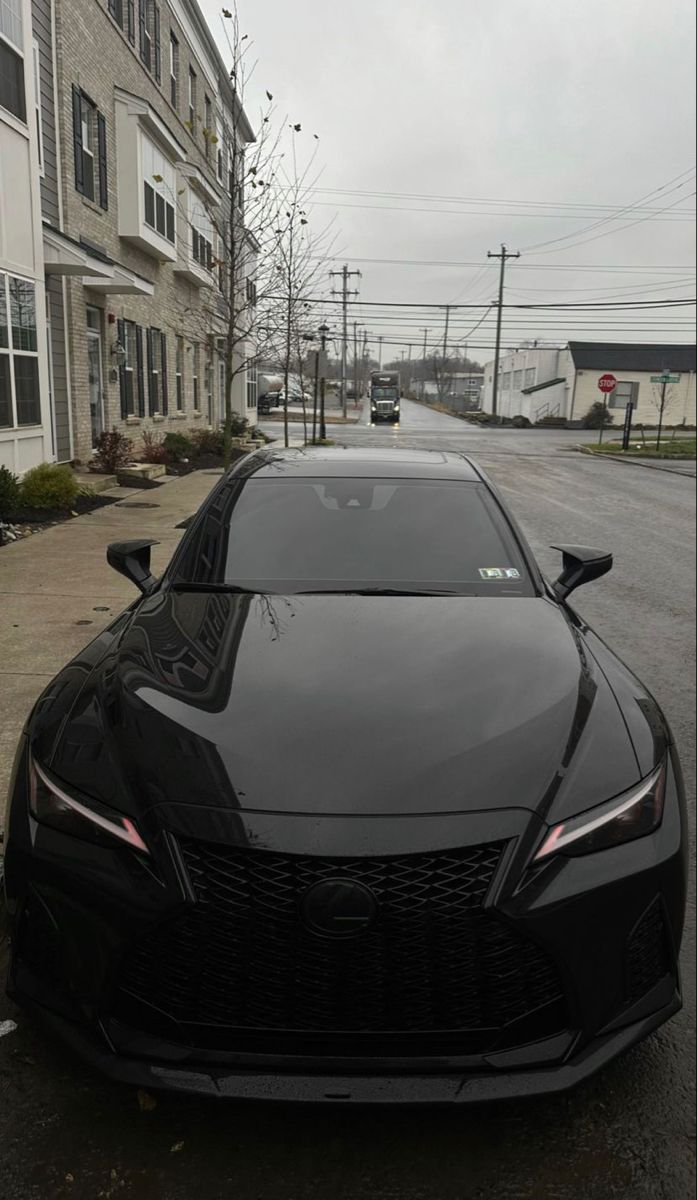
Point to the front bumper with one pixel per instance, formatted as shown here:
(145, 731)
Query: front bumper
(278, 1083)
(593, 917)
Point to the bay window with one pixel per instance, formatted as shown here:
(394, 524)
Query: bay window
(159, 190)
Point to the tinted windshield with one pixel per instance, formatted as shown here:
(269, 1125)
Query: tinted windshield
(384, 393)
(321, 534)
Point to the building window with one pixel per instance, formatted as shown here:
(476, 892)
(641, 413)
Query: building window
(37, 107)
(173, 71)
(179, 374)
(251, 386)
(192, 100)
(159, 190)
(506, 381)
(517, 380)
(157, 372)
(626, 392)
(127, 371)
(12, 96)
(20, 402)
(208, 130)
(115, 8)
(201, 234)
(89, 142)
(251, 290)
(530, 374)
(195, 367)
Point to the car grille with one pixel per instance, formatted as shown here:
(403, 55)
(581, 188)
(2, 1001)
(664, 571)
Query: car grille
(434, 960)
(384, 406)
(648, 954)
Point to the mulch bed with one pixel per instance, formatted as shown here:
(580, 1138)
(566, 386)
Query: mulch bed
(23, 522)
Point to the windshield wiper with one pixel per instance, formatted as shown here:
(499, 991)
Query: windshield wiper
(234, 588)
(383, 591)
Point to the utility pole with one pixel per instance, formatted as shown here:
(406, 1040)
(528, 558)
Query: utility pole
(423, 364)
(364, 362)
(439, 382)
(345, 275)
(503, 256)
(379, 354)
(355, 364)
(408, 387)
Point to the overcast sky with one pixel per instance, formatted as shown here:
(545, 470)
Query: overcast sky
(541, 104)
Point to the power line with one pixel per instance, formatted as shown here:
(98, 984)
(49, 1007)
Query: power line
(596, 306)
(628, 208)
(447, 199)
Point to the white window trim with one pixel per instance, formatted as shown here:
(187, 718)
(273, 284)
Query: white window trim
(37, 108)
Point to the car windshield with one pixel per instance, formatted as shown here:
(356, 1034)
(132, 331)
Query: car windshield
(337, 534)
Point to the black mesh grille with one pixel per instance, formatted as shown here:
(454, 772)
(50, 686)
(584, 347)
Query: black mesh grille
(648, 953)
(434, 959)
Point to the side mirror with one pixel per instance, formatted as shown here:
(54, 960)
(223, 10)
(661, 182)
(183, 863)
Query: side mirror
(132, 559)
(580, 564)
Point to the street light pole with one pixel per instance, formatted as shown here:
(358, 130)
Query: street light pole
(323, 331)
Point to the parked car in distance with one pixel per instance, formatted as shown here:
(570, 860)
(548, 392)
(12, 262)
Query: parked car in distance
(349, 805)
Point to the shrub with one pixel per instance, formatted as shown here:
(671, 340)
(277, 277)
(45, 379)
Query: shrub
(239, 426)
(9, 491)
(597, 417)
(521, 422)
(207, 441)
(49, 485)
(153, 448)
(178, 446)
(113, 450)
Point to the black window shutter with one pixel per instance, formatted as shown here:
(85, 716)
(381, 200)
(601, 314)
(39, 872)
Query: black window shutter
(101, 139)
(132, 22)
(139, 371)
(141, 28)
(163, 380)
(77, 139)
(112, 8)
(156, 36)
(148, 345)
(121, 336)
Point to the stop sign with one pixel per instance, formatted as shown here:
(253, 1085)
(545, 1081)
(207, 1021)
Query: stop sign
(607, 383)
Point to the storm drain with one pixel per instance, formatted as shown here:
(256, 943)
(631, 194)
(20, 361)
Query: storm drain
(135, 504)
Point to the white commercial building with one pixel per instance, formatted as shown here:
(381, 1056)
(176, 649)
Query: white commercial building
(537, 381)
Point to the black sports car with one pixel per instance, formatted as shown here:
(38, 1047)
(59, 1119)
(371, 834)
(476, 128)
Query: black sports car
(348, 805)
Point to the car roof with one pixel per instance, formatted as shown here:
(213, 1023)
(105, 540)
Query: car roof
(316, 461)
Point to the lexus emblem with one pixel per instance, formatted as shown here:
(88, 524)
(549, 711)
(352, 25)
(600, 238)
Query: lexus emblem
(339, 908)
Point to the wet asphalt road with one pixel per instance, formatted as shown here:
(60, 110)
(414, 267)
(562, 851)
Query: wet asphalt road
(627, 1133)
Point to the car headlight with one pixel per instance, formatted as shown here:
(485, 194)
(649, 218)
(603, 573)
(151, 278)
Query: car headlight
(86, 819)
(634, 814)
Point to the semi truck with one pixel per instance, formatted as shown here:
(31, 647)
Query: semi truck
(385, 395)
(269, 388)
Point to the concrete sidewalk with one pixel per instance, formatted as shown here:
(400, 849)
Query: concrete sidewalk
(57, 591)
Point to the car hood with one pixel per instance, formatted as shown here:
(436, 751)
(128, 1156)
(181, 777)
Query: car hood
(345, 705)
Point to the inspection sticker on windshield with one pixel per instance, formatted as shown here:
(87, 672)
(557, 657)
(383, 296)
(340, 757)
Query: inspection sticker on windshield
(499, 573)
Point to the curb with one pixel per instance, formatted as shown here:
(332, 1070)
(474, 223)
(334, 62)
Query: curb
(637, 462)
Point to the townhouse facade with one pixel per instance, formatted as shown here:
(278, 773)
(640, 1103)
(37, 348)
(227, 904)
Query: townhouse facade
(26, 434)
(537, 381)
(138, 119)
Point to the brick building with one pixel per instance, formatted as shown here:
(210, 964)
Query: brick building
(137, 121)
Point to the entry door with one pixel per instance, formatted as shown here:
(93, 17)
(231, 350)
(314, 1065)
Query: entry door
(94, 368)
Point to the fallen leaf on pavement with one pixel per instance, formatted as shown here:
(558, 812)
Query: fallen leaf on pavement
(7, 1027)
(176, 1147)
(146, 1102)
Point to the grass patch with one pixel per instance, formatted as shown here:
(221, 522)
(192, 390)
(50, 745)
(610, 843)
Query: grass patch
(674, 448)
